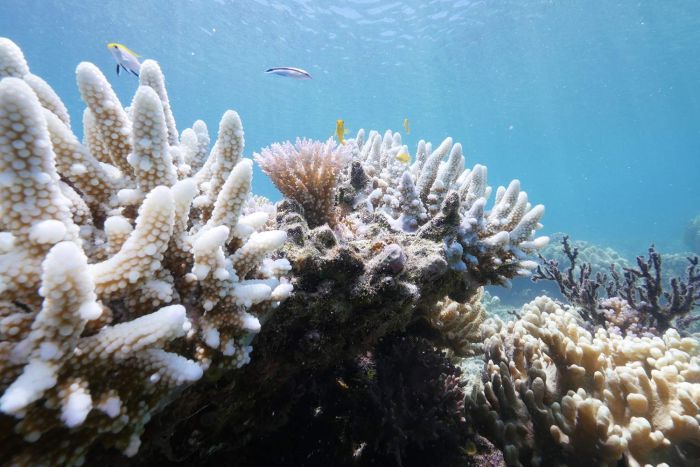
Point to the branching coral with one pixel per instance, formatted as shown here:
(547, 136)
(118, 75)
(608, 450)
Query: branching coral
(647, 308)
(308, 173)
(439, 199)
(363, 278)
(458, 324)
(114, 292)
(172, 241)
(557, 393)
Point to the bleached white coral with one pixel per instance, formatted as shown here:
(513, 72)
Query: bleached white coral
(435, 191)
(150, 159)
(131, 285)
(111, 120)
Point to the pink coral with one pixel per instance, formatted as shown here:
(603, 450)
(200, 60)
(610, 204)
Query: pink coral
(308, 173)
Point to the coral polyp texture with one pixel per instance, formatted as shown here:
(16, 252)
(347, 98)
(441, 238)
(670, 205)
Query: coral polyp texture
(115, 291)
(556, 393)
(434, 198)
(308, 173)
(458, 324)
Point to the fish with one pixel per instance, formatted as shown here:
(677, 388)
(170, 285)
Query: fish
(403, 157)
(126, 59)
(340, 131)
(342, 383)
(289, 72)
(406, 127)
(470, 449)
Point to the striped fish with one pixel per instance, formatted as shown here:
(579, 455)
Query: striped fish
(289, 72)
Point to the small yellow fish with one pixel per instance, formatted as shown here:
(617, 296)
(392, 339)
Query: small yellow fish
(126, 59)
(470, 449)
(342, 383)
(406, 127)
(403, 157)
(340, 131)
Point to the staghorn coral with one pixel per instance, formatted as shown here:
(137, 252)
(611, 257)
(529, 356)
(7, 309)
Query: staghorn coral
(439, 199)
(556, 393)
(641, 288)
(116, 293)
(308, 173)
(599, 257)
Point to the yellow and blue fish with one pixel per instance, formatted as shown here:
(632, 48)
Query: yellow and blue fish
(126, 59)
(406, 127)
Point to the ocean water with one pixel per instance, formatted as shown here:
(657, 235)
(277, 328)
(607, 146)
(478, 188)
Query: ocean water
(592, 104)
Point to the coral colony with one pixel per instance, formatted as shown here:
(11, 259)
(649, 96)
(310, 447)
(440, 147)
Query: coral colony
(136, 268)
(125, 271)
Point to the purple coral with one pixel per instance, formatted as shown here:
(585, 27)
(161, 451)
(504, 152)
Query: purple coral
(641, 305)
(307, 172)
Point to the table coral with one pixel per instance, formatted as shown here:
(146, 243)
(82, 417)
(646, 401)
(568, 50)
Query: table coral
(116, 292)
(557, 393)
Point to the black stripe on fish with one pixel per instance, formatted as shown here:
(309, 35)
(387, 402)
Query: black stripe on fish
(117, 69)
(296, 70)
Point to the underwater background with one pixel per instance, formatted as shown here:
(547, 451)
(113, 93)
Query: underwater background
(592, 104)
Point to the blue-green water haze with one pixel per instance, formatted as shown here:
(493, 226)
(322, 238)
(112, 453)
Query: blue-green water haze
(593, 105)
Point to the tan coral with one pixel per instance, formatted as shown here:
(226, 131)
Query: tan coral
(458, 324)
(598, 396)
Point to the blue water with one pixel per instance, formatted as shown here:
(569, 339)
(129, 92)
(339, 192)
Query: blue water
(592, 104)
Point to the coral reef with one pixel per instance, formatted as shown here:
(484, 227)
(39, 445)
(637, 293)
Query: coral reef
(599, 257)
(134, 264)
(115, 293)
(380, 269)
(556, 393)
(457, 324)
(308, 173)
(637, 301)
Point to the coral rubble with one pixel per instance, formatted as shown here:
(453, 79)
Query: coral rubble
(556, 393)
(115, 291)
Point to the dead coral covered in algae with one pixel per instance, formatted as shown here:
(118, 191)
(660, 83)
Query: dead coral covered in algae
(114, 292)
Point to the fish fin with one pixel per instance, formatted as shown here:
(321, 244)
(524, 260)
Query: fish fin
(117, 69)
